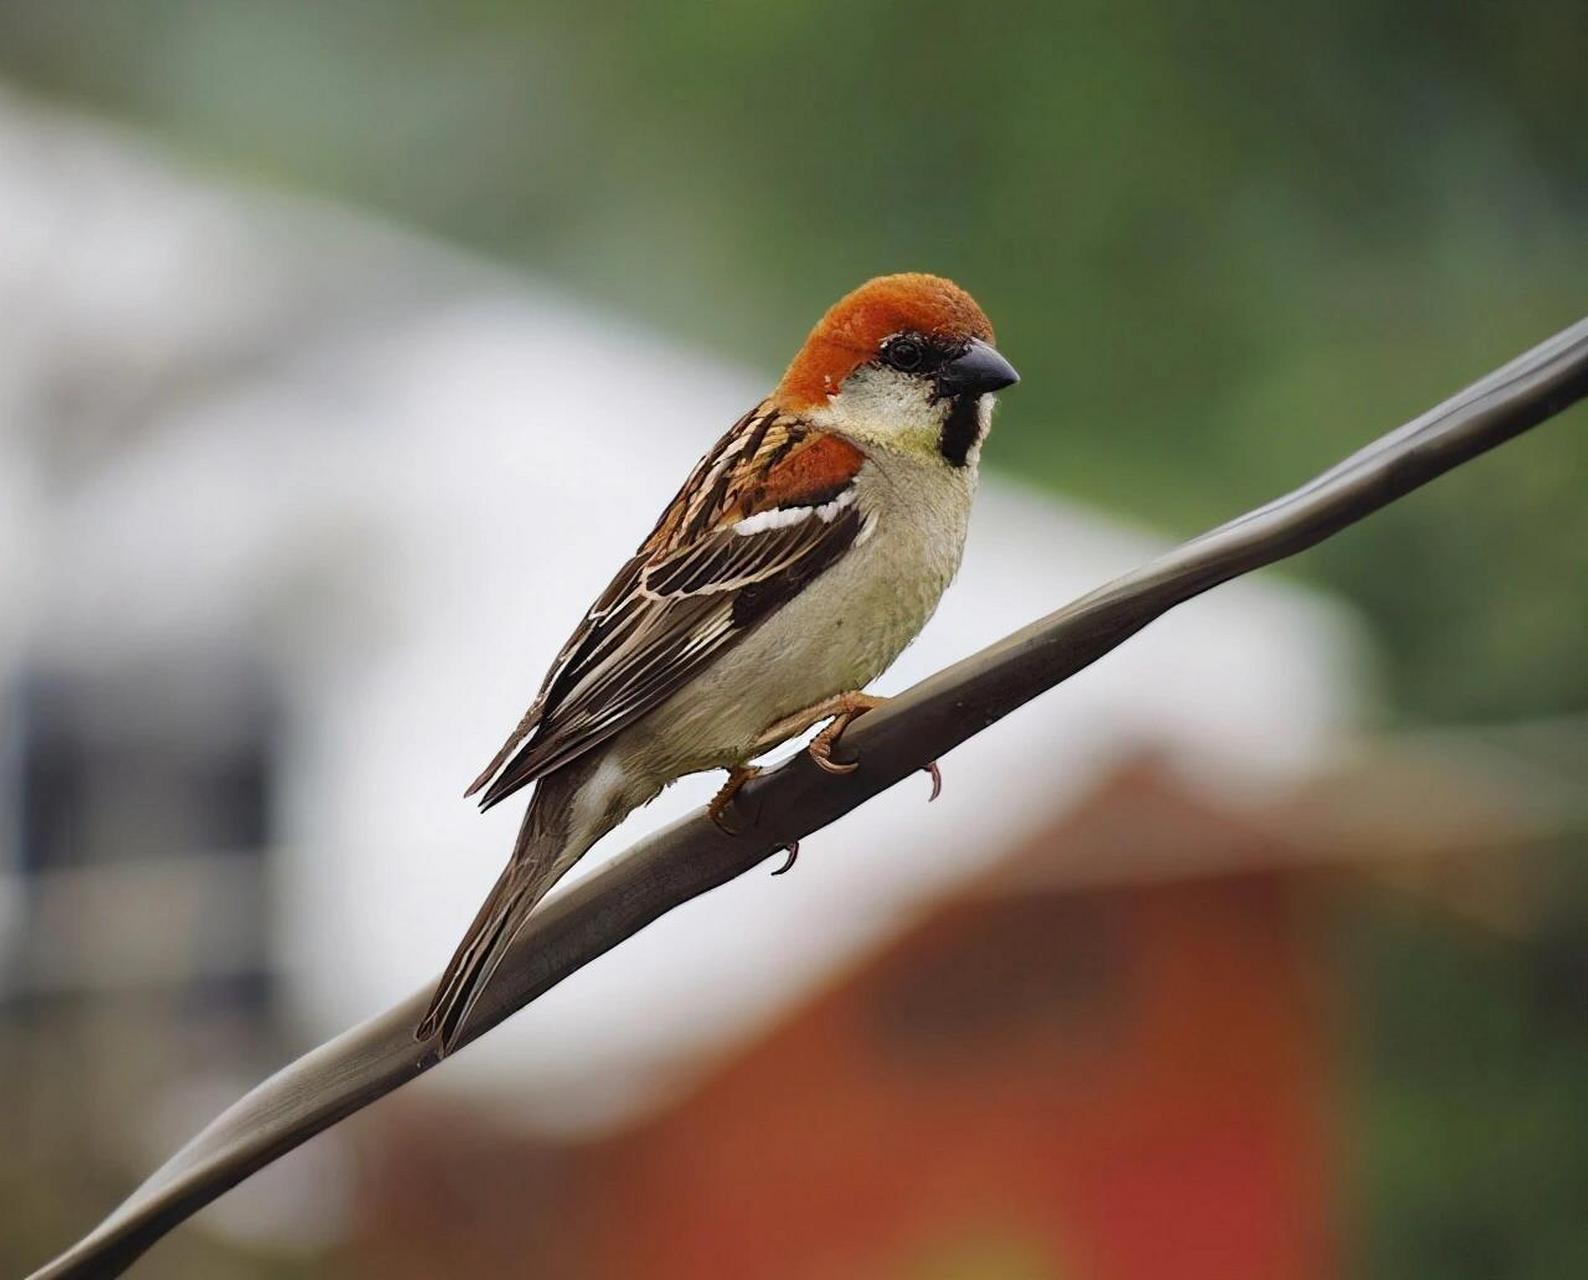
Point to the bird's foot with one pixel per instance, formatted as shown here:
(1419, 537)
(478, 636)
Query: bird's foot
(839, 710)
(843, 709)
(738, 775)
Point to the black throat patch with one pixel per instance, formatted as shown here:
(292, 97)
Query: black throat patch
(961, 430)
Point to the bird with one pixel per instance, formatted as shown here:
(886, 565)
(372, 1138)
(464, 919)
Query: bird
(805, 551)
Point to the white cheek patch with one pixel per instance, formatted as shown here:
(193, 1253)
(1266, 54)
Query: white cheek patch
(884, 407)
(782, 517)
(888, 395)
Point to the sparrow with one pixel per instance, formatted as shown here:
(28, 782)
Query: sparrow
(805, 551)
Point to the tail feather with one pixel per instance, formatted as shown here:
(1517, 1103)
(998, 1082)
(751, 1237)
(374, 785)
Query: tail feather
(545, 849)
(477, 957)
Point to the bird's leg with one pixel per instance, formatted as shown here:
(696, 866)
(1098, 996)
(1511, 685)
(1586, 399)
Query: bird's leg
(840, 709)
(800, 721)
(843, 709)
(738, 775)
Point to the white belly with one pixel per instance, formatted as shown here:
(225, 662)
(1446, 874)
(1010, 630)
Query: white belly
(838, 634)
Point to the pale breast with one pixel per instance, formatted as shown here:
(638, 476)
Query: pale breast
(838, 634)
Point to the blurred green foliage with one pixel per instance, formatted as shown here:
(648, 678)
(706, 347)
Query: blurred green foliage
(1473, 1083)
(1225, 245)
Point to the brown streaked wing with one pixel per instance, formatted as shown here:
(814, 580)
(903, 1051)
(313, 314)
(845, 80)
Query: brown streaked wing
(651, 645)
(577, 644)
(700, 502)
(729, 561)
(695, 588)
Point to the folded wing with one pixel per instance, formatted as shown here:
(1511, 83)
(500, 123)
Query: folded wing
(767, 510)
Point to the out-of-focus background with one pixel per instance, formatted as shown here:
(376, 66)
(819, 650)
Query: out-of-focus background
(1259, 950)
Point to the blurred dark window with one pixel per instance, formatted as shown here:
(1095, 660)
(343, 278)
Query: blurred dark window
(144, 827)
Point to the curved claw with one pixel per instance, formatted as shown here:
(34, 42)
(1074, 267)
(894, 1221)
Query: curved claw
(793, 850)
(821, 748)
(937, 781)
(827, 764)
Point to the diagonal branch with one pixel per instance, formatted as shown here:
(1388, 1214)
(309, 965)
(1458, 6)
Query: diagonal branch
(691, 856)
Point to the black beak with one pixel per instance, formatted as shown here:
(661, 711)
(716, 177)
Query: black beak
(979, 370)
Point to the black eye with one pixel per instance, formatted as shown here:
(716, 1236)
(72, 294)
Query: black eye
(905, 354)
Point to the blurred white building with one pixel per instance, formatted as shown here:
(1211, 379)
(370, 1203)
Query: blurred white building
(293, 514)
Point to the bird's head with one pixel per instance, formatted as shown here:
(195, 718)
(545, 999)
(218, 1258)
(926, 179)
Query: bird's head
(904, 364)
